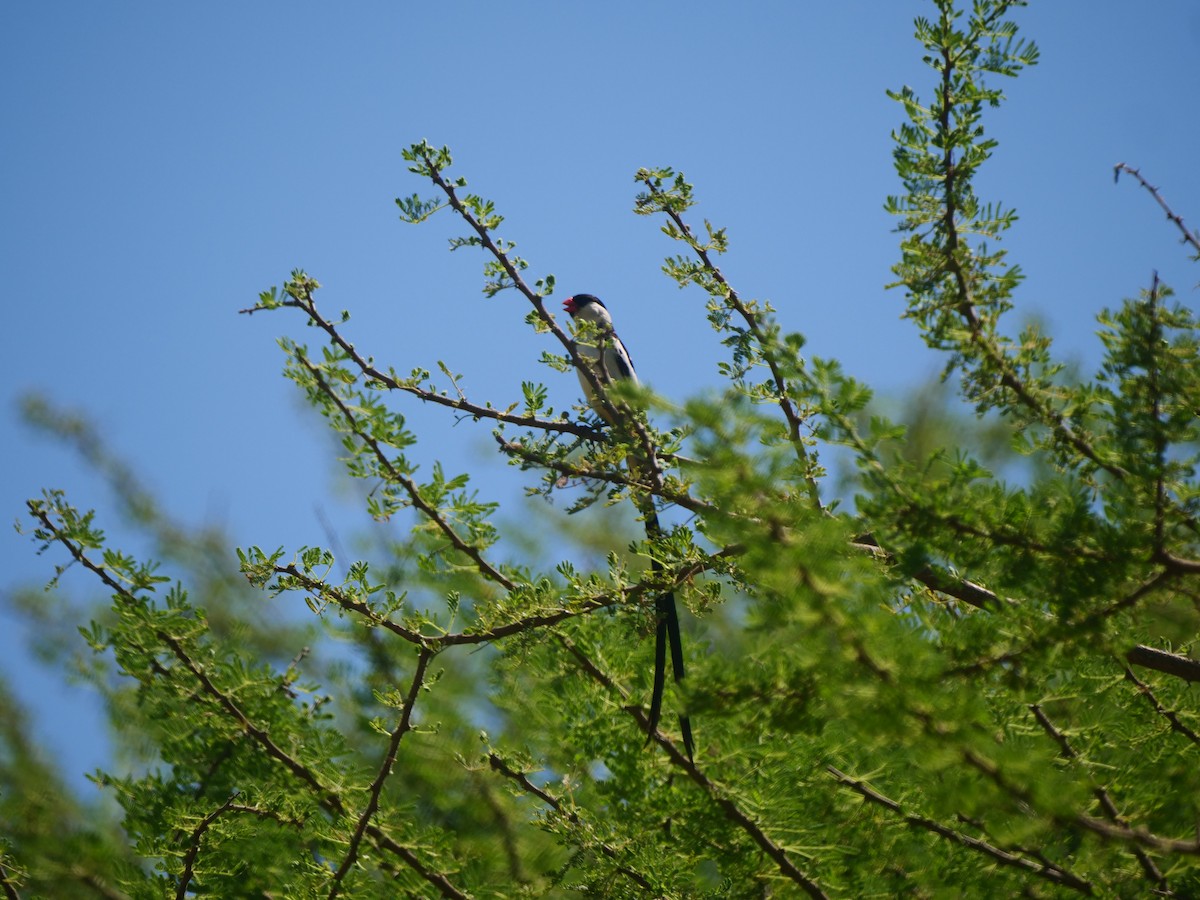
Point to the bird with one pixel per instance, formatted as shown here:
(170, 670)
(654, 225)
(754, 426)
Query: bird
(610, 362)
(607, 358)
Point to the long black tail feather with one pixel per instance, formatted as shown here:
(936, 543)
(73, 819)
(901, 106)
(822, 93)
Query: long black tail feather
(666, 633)
(660, 664)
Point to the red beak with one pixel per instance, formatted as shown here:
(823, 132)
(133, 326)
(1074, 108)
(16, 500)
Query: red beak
(569, 305)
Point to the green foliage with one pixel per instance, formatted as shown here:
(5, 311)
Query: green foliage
(969, 677)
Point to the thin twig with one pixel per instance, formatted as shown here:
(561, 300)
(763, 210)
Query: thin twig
(795, 421)
(307, 305)
(966, 301)
(716, 794)
(189, 858)
(324, 591)
(618, 477)
(1149, 868)
(1082, 625)
(6, 881)
(385, 769)
(1049, 871)
(623, 597)
(1189, 236)
(537, 300)
(432, 513)
(1177, 724)
(522, 780)
(1111, 831)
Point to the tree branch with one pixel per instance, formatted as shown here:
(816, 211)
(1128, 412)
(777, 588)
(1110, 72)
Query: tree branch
(326, 796)
(433, 172)
(1048, 871)
(307, 305)
(624, 478)
(1150, 870)
(1170, 715)
(432, 513)
(715, 793)
(1188, 236)
(795, 421)
(569, 815)
(436, 642)
(1168, 663)
(189, 858)
(7, 881)
(385, 769)
(966, 305)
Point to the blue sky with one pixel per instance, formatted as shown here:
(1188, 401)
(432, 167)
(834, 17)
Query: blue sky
(163, 163)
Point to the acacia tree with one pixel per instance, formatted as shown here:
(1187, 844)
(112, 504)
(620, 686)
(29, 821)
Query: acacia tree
(950, 682)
